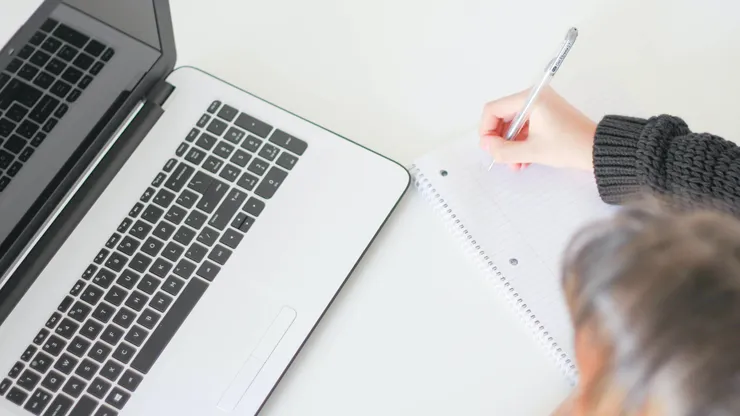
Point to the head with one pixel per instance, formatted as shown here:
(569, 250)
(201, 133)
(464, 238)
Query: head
(655, 300)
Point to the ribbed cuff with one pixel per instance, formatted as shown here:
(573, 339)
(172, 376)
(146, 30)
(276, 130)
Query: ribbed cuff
(615, 157)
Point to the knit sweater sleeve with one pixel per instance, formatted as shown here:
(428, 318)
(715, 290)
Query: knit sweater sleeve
(662, 156)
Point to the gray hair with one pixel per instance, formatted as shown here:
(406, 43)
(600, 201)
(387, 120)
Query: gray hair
(663, 288)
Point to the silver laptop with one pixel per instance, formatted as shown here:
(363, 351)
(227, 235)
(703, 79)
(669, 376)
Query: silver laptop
(168, 241)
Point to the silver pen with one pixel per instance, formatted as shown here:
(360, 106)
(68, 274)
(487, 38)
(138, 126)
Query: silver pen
(552, 68)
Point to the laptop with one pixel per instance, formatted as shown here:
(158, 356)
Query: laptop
(168, 242)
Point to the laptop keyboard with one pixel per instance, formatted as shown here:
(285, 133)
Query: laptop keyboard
(108, 332)
(38, 87)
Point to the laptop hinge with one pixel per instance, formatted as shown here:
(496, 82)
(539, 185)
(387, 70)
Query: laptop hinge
(160, 92)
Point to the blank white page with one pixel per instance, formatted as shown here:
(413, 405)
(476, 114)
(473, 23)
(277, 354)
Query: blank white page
(523, 221)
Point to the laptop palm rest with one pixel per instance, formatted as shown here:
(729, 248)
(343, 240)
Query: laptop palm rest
(257, 359)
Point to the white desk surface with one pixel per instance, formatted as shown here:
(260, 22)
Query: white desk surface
(416, 331)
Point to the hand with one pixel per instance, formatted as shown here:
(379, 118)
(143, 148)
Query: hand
(557, 134)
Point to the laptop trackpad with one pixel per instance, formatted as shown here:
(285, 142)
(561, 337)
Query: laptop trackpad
(257, 359)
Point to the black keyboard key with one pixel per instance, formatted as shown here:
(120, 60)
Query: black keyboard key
(15, 371)
(136, 335)
(111, 370)
(135, 301)
(37, 38)
(140, 230)
(181, 149)
(54, 345)
(253, 125)
(108, 54)
(128, 279)
(288, 142)
(94, 48)
(40, 58)
(67, 328)
(74, 387)
(38, 401)
(208, 236)
(61, 89)
(228, 113)
(6, 127)
(49, 25)
(66, 363)
(184, 269)
(252, 144)
(258, 166)
(125, 317)
(91, 329)
(173, 286)
(103, 312)
(55, 66)
(104, 278)
(41, 362)
(169, 325)
(254, 206)
(149, 318)
(130, 380)
(113, 240)
(78, 346)
(25, 52)
(19, 91)
(271, 183)
(124, 353)
(180, 177)
(187, 199)
(87, 369)
(175, 214)
(184, 235)
(4, 78)
(85, 407)
(213, 195)
(213, 164)
(195, 156)
(41, 336)
(161, 301)
(28, 353)
(15, 113)
(14, 66)
(222, 217)
(5, 385)
(116, 295)
(194, 133)
(14, 169)
(44, 108)
(208, 271)
(196, 219)
(44, 80)
(116, 262)
(128, 245)
(60, 406)
(4, 181)
(164, 230)
(241, 158)
(196, 252)
(214, 106)
(217, 127)
(17, 396)
(234, 135)
(26, 154)
(101, 256)
(148, 284)
(173, 251)
(14, 145)
(152, 246)
(203, 120)
(152, 214)
(53, 320)
(246, 224)
(286, 161)
(231, 238)
(147, 195)
(27, 129)
(200, 182)
(5, 159)
(28, 380)
(70, 35)
(53, 381)
(219, 254)
(65, 304)
(79, 311)
(51, 45)
(96, 68)
(125, 224)
(112, 334)
(206, 141)
(117, 398)
(28, 72)
(72, 75)
(99, 388)
(170, 165)
(161, 267)
(230, 172)
(140, 263)
(85, 82)
(269, 152)
(74, 95)
(99, 352)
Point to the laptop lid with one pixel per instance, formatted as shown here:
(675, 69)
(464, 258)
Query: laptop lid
(139, 33)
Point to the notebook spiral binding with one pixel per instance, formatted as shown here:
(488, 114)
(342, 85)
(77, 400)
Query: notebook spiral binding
(474, 251)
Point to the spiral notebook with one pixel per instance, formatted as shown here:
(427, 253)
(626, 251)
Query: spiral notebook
(515, 226)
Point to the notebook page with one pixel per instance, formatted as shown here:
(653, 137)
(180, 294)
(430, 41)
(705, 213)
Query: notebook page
(522, 220)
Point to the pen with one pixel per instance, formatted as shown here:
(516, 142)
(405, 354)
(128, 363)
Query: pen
(552, 68)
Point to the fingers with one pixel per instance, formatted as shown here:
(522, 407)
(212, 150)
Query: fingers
(496, 112)
(508, 151)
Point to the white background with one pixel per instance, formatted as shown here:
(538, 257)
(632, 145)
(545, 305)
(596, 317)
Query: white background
(416, 331)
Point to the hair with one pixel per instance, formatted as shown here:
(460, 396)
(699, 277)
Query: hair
(661, 288)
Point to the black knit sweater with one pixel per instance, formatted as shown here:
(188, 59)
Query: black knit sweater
(662, 156)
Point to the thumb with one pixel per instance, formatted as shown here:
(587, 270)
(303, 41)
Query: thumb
(508, 151)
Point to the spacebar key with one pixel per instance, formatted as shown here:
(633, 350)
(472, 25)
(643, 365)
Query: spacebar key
(169, 326)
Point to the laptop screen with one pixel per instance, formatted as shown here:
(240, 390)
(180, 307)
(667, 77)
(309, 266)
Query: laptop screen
(59, 90)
